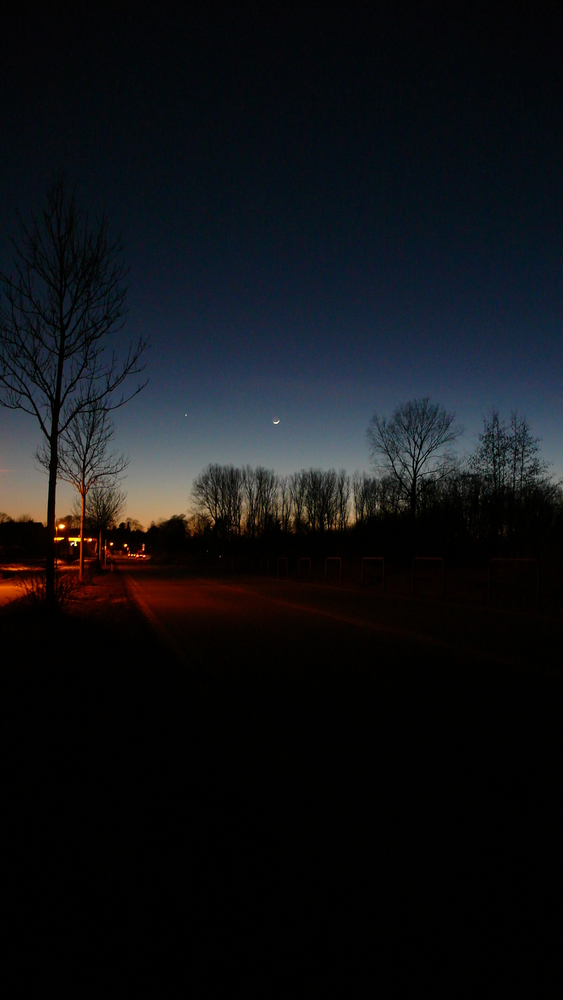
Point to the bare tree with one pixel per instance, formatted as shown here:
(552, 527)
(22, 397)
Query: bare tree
(84, 460)
(412, 446)
(297, 490)
(233, 494)
(267, 497)
(509, 470)
(250, 492)
(207, 493)
(343, 489)
(218, 492)
(286, 505)
(320, 498)
(105, 505)
(366, 494)
(66, 298)
(315, 498)
(260, 491)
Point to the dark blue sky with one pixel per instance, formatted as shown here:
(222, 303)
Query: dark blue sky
(324, 214)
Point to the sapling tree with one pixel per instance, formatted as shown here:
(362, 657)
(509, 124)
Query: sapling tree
(105, 506)
(84, 460)
(60, 310)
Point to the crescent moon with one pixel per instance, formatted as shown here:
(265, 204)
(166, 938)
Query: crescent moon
(276, 421)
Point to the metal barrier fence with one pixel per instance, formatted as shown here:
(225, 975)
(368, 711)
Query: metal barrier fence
(508, 582)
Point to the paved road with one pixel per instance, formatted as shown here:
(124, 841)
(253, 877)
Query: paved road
(214, 624)
(348, 739)
(9, 591)
(388, 729)
(11, 587)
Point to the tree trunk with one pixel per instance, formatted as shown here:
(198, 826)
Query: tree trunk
(413, 498)
(413, 518)
(82, 517)
(50, 595)
(50, 554)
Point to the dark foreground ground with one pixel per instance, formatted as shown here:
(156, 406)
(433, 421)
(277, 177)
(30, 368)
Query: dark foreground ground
(422, 793)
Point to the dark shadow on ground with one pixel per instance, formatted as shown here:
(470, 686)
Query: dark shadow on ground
(419, 787)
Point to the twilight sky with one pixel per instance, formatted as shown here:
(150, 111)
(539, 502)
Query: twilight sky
(325, 214)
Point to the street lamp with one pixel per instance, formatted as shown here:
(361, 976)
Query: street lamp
(61, 527)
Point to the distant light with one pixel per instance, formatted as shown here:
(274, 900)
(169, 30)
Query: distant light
(62, 526)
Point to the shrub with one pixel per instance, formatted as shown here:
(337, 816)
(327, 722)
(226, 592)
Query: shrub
(33, 589)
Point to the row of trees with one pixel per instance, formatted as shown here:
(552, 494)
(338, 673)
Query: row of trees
(21, 537)
(97, 515)
(59, 310)
(98, 511)
(501, 490)
(257, 501)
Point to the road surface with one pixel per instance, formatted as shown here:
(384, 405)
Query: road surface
(227, 625)
(9, 591)
(394, 735)
(280, 734)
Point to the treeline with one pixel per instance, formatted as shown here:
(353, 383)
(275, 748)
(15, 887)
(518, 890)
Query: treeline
(21, 538)
(256, 501)
(501, 498)
(419, 498)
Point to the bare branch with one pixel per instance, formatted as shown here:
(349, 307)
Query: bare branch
(412, 445)
(58, 310)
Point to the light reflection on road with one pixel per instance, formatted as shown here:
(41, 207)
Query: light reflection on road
(9, 591)
(192, 615)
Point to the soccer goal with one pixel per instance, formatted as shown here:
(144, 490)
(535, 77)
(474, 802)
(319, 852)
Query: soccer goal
(373, 572)
(428, 577)
(514, 583)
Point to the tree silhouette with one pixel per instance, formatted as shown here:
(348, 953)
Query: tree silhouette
(104, 506)
(218, 492)
(59, 309)
(410, 446)
(84, 461)
(509, 471)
